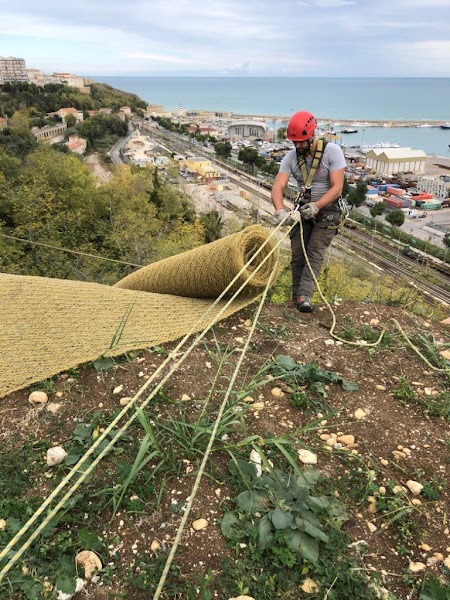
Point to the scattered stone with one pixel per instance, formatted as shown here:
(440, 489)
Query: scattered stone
(310, 586)
(185, 398)
(428, 391)
(118, 389)
(239, 340)
(417, 383)
(277, 392)
(382, 388)
(124, 401)
(200, 524)
(348, 440)
(371, 527)
(155, 546)
(242, 598)
(59, 394)
(447, 562)
(248, 399)
(382, 490)
(2, 524)
(425, 547)
(38, 398)
(445, 354)
(257, 406)
(359, 414)
(255, 459)
(398, 454)
(79, 585)
(397, 489)
(329, 342)
(307, 457)
(415, 567)
(247, 323)
(89, 561)
(416, 502)
(374, 322)
(384, 462)
(56, 455)
(438, 556)
(372, 505)
(414, 486)
(53, 407)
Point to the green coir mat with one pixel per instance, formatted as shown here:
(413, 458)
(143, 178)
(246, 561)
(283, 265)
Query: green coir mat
(51, 325)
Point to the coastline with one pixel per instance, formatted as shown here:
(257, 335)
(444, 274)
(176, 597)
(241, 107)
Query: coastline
(344, 122)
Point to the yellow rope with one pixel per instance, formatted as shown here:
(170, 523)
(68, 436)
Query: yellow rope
(363, 343)
(84, 474)
(202, 467)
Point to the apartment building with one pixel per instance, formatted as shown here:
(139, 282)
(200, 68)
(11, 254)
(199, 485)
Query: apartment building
(12, 69)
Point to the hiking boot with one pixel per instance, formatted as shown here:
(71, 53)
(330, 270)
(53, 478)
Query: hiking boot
(304, 305)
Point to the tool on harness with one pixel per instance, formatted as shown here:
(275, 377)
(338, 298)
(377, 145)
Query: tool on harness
(304, 195)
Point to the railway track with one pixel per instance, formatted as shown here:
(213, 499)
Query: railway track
(430, 291)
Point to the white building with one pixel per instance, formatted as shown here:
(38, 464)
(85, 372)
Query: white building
(249, 128)
(433, 185)
(389, 161)
(12, 69)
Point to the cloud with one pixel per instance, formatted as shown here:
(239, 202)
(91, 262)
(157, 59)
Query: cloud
(334, 3)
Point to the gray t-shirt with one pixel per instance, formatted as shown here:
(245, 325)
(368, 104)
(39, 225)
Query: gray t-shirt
(332, 160)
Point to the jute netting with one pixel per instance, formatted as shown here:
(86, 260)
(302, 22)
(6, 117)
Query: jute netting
(50, 325)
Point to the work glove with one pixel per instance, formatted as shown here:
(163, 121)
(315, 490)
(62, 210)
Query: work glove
(308, 211)
(279, 216)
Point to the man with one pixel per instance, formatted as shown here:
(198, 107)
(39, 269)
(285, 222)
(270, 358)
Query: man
(320, 177)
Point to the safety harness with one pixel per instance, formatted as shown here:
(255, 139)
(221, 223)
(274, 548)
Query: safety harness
(305, 192)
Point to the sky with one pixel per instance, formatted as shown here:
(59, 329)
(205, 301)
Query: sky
(285, 38)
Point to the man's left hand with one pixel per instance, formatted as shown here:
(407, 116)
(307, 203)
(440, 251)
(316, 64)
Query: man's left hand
(309, 211)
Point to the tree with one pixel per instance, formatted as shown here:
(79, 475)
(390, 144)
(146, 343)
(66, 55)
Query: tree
(396, 218)
(212, 224)
(248, 155)
(345, 188)
(377, 209)
(70, 121)
(155, 196)
(446, 240)
(357, 196)
(281, 133)
(223, 149)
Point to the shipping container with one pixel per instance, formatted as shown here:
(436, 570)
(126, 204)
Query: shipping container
(393, 202)
(394, 191)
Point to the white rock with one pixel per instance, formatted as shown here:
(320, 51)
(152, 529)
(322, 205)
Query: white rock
(155, 546)
(248, 399)
(359, 414)
(372, 504)
(118, 389)
(53, 407)
(371, 527)
(307, 457)
(89, 561)
(255, 458)
(415, 567)
(414, 486)
(124, 401)
(447, 562)
(38, 398)
(374, 322)
(329, 342)
(277, 392)
(79, 585)
(242, 598)
(425, 547)
(56, 455)
(2, 524)
(200, 524)
(310, 586)
(382, 388)
(185, 398)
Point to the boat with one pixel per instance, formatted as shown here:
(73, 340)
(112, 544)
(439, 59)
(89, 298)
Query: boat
(348, 131)
(445, 125)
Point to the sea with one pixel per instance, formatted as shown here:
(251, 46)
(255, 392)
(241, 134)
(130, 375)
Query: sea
(407, 100)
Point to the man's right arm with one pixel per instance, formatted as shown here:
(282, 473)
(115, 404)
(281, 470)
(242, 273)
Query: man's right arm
(281, 181)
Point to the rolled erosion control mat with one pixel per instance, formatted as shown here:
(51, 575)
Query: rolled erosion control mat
(51, 325)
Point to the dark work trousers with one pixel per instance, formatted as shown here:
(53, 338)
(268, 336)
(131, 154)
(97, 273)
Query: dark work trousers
(317, 239)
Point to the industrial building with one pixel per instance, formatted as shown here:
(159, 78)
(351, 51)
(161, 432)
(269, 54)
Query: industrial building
(389, 161)
(245, 129)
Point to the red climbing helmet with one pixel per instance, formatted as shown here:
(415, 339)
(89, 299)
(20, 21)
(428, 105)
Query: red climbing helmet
(301, 126)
